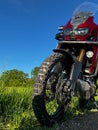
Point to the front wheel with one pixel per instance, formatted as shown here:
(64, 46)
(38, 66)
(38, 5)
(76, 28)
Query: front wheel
(47, 99)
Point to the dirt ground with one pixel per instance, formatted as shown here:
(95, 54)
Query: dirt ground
(84, 122)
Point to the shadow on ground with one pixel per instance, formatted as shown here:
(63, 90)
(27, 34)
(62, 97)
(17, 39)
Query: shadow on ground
(88, 121)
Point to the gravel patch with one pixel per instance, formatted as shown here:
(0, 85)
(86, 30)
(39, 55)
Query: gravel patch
(87, 121)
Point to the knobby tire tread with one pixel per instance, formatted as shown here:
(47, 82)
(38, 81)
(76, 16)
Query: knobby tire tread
(39, 88)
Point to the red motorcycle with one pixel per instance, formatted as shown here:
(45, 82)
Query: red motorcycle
(72, 70)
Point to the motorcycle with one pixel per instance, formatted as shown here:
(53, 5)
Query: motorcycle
(72, 70)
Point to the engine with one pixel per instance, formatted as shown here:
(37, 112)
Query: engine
(85, 89)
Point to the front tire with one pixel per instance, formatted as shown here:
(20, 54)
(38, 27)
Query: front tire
(45, 105)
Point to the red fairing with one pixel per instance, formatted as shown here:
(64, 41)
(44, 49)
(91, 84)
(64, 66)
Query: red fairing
(94, 59)
(89, 23)
(92, 28)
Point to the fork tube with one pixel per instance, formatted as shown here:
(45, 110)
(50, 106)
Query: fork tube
(81, 55)
(75, 70)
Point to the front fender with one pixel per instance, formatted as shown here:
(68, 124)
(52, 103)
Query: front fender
(65, 53)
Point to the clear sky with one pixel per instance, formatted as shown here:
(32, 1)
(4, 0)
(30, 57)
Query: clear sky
(28, 28)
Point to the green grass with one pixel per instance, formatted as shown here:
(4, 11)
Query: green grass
(16, 111)
(16, 108)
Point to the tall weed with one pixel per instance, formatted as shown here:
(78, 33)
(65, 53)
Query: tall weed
(16, 107)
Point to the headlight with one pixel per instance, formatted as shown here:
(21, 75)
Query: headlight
(82, 31)
(68, 31)
(77, 32)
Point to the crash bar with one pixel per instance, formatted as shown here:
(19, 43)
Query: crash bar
(81, 42)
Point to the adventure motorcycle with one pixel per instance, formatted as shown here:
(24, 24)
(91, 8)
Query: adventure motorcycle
(71, 70)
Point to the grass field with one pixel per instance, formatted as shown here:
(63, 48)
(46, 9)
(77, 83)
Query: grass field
(16, 108)
(16, 111)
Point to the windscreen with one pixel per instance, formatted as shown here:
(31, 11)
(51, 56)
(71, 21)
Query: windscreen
(82, 13)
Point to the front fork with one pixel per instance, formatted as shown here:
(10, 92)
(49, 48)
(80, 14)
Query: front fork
(76, 67)
(69, 85)
(74, 74)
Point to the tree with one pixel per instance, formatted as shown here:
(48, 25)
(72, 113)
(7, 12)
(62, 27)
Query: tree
(14, 78)
(34, 72)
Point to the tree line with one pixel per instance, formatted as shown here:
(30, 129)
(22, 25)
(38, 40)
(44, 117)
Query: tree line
(17, 78)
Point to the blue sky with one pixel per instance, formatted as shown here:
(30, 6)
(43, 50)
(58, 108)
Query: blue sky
(28, 28)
